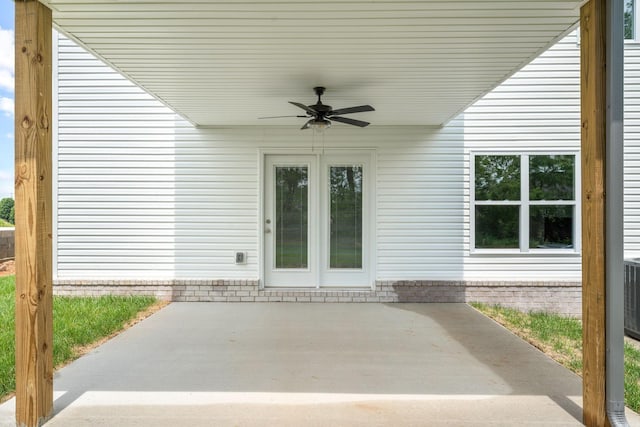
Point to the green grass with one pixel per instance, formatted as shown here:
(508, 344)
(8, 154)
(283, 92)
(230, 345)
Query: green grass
(4, 223)
(632, 377)
(7, 343)
(561, 338)
(77, 322)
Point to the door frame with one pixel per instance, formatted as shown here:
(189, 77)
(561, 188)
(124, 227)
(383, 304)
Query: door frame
(370, 262)
(290, 277)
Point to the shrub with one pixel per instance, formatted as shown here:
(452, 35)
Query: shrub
(6, 206)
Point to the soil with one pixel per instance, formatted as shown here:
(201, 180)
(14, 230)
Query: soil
(7, 268)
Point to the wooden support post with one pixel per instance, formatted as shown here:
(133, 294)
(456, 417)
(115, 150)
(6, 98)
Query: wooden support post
(33, 238)
(593, 136)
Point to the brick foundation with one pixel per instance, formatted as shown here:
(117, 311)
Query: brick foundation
(557, 297)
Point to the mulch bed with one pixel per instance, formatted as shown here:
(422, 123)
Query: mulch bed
(7, 267)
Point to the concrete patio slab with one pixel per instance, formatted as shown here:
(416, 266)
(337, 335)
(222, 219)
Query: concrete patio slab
(203, 364)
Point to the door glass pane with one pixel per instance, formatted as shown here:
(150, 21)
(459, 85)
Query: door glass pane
(291, 218)
(497, 226)
(345, 198)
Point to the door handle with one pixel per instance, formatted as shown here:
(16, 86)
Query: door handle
(267, 230)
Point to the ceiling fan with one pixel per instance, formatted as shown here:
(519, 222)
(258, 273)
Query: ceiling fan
(321, 115)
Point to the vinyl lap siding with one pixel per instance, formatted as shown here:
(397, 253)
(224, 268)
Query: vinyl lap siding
(143, 194)
(537, 109)
(421, 204)
(632, 150)
(139, 194)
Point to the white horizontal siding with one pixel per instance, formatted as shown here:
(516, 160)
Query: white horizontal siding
(142, 194)
(122, 211)
(420, 203)
(632, 150)
(537, 109)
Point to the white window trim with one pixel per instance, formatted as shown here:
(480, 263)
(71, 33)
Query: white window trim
(636, 13)
(636, 34)
(524, 203)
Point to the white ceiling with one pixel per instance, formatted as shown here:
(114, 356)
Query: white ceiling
(222, 63)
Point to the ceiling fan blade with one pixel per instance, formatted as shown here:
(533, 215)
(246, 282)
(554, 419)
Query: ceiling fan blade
(358, 109)
(278, 117)
(353, 122)
(307, 125)
(304, 107)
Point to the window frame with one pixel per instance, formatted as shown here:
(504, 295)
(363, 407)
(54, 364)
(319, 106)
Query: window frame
(525, 204)
(636, 17)
(636, 33)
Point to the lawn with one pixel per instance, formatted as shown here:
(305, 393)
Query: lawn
(561, 338)
(77, 323)
(4, 223)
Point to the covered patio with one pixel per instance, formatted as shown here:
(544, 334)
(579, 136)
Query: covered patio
(218, 66)
(315, 364)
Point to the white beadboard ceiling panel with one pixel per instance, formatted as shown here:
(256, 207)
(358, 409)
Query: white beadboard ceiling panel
(226, 63)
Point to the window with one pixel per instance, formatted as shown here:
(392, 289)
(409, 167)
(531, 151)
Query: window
(524, 202)
(630, 20)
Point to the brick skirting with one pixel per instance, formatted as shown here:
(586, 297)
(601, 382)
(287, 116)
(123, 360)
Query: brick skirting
(557, 297)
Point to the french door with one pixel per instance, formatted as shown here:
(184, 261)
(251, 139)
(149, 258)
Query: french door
(316, 221)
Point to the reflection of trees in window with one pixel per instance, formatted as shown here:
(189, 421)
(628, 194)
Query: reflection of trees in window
(551, 177)
(497, 177)
(497, 227)
(546, 208)
(629, 12)
(345, 190)
(292, 185)
(551, 227)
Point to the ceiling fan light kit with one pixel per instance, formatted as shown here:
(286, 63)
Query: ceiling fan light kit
(317, 125)
(320, 115)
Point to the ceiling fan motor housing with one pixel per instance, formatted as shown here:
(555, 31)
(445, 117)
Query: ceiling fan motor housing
(321, 115)
(321, 109)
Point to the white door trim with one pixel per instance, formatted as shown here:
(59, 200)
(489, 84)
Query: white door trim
(365, 156)
(290, 277)
(344, 277)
